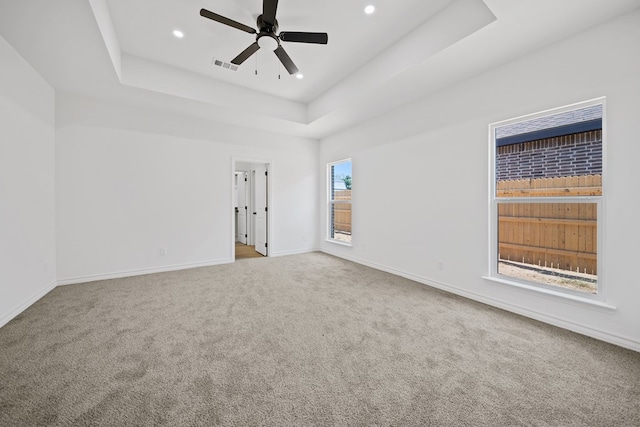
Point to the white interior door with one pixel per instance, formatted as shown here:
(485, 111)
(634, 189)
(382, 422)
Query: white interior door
(260, 208)
(242, 208)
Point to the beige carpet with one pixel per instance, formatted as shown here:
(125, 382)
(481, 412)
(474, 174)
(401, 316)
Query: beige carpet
(295, 341)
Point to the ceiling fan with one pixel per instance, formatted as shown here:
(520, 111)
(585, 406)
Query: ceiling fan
(266, 36)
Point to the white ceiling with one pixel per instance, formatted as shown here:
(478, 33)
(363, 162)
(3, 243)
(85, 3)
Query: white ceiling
(124, 50)
(144, 29)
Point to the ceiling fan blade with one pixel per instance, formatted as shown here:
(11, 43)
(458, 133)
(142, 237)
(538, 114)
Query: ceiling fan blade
(245, 54)
(230, 22)
(286, 60)
(269, 11)
(293, 36)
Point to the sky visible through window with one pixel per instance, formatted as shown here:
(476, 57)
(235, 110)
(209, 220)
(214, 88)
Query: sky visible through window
(341, 170)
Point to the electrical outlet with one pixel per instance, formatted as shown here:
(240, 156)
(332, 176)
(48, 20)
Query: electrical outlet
(163, 252)
(440, 265)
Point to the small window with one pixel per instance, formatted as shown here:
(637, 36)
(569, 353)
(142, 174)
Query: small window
(547, 198)
(339, 203)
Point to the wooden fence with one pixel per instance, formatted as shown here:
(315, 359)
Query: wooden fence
(557, 235)
(342, 212)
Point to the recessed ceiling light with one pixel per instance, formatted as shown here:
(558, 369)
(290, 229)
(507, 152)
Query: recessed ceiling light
(179, 34)
(369, 9)
(300, 76)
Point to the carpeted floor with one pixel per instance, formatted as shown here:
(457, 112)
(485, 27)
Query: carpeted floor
(301, 340)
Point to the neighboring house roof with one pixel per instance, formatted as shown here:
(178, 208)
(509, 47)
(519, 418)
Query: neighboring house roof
(581, 120)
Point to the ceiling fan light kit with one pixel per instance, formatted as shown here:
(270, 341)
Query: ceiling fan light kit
(266, 37)
(267, 42)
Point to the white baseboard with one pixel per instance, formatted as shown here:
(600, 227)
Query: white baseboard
(297, 252)
(618, 340)
(120, 274)
(26, 304)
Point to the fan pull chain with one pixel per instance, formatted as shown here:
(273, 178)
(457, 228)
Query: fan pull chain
(279, 70)
(256, 65)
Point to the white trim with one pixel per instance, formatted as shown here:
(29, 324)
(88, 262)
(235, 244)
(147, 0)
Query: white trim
(295, 252)
(337, 162)
(339, 242)
(598, 299)
(129, 273)
(331, 202)
(542, 317)
(269, 166)
(547, 291)
(26, 304)
(554, 111)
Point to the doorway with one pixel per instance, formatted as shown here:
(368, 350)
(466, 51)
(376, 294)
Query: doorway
(251, 209)
(241, 206)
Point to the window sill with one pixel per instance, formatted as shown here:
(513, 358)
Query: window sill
(566, 296)
(338, 242)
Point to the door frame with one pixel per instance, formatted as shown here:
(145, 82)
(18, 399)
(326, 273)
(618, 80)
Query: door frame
(245, 175)
(260, 210)
(270, 168)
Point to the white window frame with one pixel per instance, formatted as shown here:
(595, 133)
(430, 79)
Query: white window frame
(331, 203)
(598, 298)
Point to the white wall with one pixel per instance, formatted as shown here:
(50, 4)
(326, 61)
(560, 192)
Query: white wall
(132, 181)
(27, 223)
(420, 178)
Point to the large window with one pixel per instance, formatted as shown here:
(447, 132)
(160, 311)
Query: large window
(546, 202)
(339, 203)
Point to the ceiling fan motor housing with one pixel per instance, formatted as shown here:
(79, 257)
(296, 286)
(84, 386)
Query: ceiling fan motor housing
(266, 37)
(265, 27)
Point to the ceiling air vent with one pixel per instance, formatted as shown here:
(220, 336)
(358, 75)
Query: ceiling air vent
(223, 64)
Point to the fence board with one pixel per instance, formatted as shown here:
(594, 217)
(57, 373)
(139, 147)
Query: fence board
(586, 185)
(562, 235)
(342, 211)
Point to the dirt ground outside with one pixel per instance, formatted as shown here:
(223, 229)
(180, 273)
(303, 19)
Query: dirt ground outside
(550, 276)
(342, 237)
